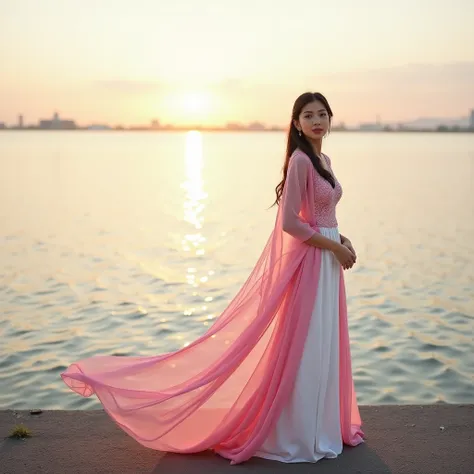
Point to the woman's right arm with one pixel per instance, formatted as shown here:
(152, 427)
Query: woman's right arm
(292, 199)
(294, 193)
(345, 257)
(318, 240)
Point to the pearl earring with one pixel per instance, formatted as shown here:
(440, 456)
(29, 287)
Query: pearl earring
(299, 133)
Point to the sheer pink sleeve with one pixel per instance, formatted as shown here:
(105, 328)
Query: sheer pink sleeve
(293, 197)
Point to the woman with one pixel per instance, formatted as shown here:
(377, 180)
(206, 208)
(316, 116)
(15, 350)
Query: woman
(272, 376)
(309, 426)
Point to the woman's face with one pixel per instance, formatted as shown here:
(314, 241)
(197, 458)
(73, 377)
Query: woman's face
(313, 120)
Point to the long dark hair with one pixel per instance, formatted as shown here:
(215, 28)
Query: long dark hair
(295, 141)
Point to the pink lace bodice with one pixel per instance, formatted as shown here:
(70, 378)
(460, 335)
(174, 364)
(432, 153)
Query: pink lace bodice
(295, 194)
(325, 199)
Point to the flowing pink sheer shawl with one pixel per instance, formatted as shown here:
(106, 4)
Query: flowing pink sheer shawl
(226, 390)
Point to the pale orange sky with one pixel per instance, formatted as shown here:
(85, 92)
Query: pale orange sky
(213, 61)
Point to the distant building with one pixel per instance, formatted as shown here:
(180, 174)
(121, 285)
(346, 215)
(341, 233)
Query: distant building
(155, 124)
(20, 121)
(234, 126)
(340, 126)
(471, 119)
(256, 126)
(57, 124)
(99, 127)
(376, 127)
(371, 127)
(2, 125)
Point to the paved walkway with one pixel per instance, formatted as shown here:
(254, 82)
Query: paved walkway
(421, 439)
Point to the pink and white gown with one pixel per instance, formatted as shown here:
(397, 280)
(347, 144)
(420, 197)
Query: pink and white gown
(272, 376)
(309, 426)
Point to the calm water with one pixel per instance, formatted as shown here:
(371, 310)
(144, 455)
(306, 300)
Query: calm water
(133, 243)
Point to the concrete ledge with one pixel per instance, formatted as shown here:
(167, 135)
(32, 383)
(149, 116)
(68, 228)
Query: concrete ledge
(400, 439)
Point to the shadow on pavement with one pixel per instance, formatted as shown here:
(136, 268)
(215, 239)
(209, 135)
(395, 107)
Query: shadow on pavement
(359, 460)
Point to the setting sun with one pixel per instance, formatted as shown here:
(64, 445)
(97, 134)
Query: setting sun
(196, 102)
(188, 107)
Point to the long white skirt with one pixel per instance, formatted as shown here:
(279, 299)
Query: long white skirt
(309, 426)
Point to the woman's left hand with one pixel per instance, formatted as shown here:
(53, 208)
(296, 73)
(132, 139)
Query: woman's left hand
(347, 243)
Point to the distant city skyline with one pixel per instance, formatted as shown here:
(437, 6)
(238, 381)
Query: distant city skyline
(214, 62)
(56, 122)
(23, 121)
